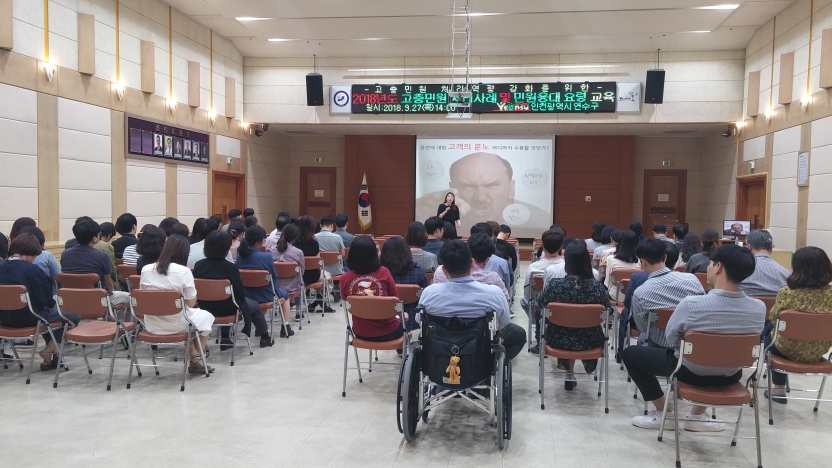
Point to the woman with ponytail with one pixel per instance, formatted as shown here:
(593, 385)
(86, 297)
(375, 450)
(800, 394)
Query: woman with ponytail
(287, 252)
(236, 228)
(249, 257)
(699, 262)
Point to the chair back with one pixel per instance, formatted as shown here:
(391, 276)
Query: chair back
(90, 304)
(575, 315)
(680, 269)
(158, 303)
(537, 283)
(330, 258)
(621, 274)
(286, 270)
(768, 301)
(622, 286)
(703, 278)
(119, 261)
(256, 278)
(430, 278)
(512, 241)
(346, 253)
(124, 272)
(380, 242)
(212, 289)
(374, 307)
(660, 317)
(716, 350)
(803, 326)
(313, 263)
(134, 282)
(408, 293)
(591, 254)
(13, 297)
(78, 280)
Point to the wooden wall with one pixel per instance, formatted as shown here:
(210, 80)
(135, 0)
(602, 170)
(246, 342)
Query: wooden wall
(602, 167)
(390, 163)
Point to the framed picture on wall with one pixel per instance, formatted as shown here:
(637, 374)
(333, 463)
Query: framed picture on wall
(195, 150)
(168, 146)
(187, 152)
(158, 144)
(204, 155)
(135, 141)
(177, 148)
(147, 142)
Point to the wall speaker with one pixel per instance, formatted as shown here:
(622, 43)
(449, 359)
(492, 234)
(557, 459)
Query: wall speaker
(654, 87)
(314, 89)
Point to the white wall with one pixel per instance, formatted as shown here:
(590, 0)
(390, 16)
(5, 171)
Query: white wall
(718, 181)
(84, 156)
(146, 190)
(191, 194)
(819, 227)
(783, 208)
(18, 155)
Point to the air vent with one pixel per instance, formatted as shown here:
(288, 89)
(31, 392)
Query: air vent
(678, 132)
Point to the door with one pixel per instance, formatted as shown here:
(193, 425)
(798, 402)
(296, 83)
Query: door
(751, 200)
(228, 193)
(664, 197)
(317, 191)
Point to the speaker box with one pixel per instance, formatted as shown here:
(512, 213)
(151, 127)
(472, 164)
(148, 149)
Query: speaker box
(654, 87)
(314, 89)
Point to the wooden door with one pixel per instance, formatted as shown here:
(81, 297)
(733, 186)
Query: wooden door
(317, 191)
(664, 197)
(228, 193)
(751, 200)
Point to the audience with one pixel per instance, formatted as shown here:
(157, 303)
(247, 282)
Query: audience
(396, 257)
(250, 221)
(606, 243)
(198, 249)
(180, 229)
(690, 247)
(248, 212)
(482, 251)
(196, 232)
(108, 231)
(85, 258)
(366, 277)
(46, 261)
(552, 245)
(449, 232)
(233, 214)
(496, 264)
(130, 255)
(660, 233)
(558, 269)
(434, 226)
(508, 250)
(724, 310)
(615, 238)
(464, 297)
(249, 257)
(215, 267)
(579, 286)
(625, 259)
(341, 222)
(4, 246)
(169, 273)
(74, 242)
(699, 263)
(285, 251)
(126, 225)
(19, 270)
(151, 242)
(636, 227)
(166, 224)
(310, 247)
(271, 241)
(769, 277)
(331, 242)
(679, 233)
(594, 241)
(807, 290)
(235, 229)
(416, 238)
(18, 226)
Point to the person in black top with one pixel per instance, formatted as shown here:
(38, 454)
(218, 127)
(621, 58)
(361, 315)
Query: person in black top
(196, 232)
(149, 247)
(448, 211)
(214, 266)
(126, 225)
(19, 270)
(309, 246)
(503, 232)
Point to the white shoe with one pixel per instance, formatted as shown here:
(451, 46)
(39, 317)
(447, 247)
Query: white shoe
(703, 423)
(653, 420)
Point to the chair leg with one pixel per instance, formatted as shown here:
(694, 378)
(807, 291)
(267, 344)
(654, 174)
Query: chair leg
(32, 358)
(676, 429)
(606, 381)
(132, 363)
(541, 382)
(113, 361)
(737, 429)
(668, 390)
(16, 356)
(370, 360)
(820, 393)
(153, 358)
(713, 412)
(346, 360)
(358, 365)
(757, 424)
(58, 370)
(770, 396)
(232, 333)
(86, 361)
(185, 362)
(101, 352)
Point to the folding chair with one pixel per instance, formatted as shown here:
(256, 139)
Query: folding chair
(312, 263)
(16, 297)
(621, 278)
(163, 303)
(332, 258)
(93, 305)
(658, 318)
(714, 350)
(260, 279)
(703, 278)
(371, 308)
(538, 242)
(288, 270)
(429, 276)
(124, 274)
(221, 290)
(802, 326)
(78, 280)
(537, 287)
(576, 316)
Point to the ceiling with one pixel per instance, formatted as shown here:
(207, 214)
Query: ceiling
(384, 28)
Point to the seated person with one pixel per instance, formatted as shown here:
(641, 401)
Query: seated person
(328, 241)
(46, 261)
(496, 264)
(196, 231)
(664, 288)
(169, 273)
(285, 251)
(578, 287)
(680, 231)
(500, 236)
(807, 290)
(660, 233)
(341, 222)
(271, 242)
(166, 225)
(366, 277)
(74, 242)
(236, 228)
(180, 229)
(434, 227)
(482, 250)
(4, 246)
(198, 249)
(699, 262)
(85, 258)
(769, 276)
(19, 270)
(108, 231)
(151, 243)
(615, 239)
(250, 221)
(594, 240)
(130, 256)
(552, 255)
(558, 269)
(310, 247)
(624, 259)
(249, 257)
(234, 214)
(724, 310)
(126, 225)
(449, 233)
(416, 238)
(395, 256)
(690, 247)
(606, 243)
(464, 297)
(215, 267)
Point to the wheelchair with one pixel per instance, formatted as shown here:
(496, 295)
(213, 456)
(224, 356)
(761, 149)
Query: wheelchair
(484, 373)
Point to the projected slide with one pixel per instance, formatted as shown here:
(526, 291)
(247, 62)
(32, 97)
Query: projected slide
(509, 181)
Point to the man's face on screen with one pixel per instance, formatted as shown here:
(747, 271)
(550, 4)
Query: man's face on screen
(483, 182)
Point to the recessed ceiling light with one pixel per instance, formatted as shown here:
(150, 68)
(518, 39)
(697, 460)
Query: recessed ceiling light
(477, 14)
(370, 39)
(698, 32)
(730, 6)
(251, 18)
(278, 39)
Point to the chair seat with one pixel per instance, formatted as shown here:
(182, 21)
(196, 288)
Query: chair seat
(294, 295)
(148, 337)
(634, 333)
(318, 285)
(735, 394)
(96, 332)
(225, 320)
(336, 278)
(783, 364)
(266, 305)
(119, 307)
(379, 345)
(9, 332)
(596, 353)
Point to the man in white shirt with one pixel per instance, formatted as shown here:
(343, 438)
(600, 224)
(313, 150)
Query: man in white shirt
(482, 249)
(660, 233)
(331, 242)
(552, 254)
(196, 254)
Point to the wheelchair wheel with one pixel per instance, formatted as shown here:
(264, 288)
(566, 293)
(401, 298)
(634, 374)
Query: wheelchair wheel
(399, 401)
(499, 401)
(410, 395)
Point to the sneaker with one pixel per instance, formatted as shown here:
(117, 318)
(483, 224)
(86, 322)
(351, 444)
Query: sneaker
(703, 423)
(266, 341)
(287, 332)
(513, 315)
(653, 420)
(297, 318)
(329, 310)
(535, 350)
(196, 367)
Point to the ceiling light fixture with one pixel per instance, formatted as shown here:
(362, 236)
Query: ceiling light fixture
(49, 70)
(696, 32)
(805, 101)
(279, 39)
(251, 18)
(504, 67)
(477, 14)
(727, 6)
(769, 114)
(119, 87)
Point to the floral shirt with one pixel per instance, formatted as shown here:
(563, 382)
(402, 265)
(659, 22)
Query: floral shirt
(810, 300)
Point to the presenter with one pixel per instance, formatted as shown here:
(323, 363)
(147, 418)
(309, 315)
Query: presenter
(448, 211)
